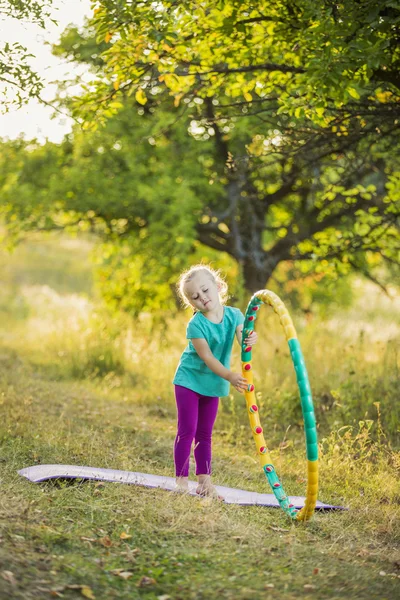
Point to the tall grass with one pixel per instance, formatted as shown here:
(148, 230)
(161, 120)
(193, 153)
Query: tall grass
(352, 357)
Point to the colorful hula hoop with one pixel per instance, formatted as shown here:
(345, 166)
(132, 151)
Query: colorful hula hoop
(267, 297)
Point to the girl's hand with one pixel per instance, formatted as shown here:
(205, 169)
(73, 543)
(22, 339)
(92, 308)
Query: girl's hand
(238, 382)
(252, 339)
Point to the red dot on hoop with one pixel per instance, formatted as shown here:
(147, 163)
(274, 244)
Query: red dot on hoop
(255, 308)
(251, 318)
(247, 367)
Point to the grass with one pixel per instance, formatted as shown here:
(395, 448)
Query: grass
(78, 386)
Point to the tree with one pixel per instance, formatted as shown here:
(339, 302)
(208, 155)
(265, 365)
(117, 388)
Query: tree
(263, 185)
(309, 117)
(18, 81)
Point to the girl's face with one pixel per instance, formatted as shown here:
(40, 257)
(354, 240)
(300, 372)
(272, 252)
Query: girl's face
(202, 292)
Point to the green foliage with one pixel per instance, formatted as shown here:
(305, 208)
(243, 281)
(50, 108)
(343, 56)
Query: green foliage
(18, 81)
(305, 138)
(231, 130)
(314, 53)
(36, 11)
(80, 49)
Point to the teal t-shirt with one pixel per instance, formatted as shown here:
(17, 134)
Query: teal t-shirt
(192, 371)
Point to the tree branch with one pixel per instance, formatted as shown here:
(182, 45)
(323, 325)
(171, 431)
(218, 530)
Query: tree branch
(248, 69)
(369, 276)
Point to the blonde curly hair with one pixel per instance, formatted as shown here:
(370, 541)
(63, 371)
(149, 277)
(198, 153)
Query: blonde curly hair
(214, 274)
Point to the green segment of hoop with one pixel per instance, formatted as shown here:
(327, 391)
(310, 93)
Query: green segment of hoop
(279, 492)
(248, 326)
(307, 406)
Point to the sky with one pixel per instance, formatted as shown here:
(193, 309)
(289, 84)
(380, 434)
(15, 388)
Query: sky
(35, 120)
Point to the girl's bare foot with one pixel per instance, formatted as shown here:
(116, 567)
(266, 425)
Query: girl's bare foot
(182, 484)
(206, 488)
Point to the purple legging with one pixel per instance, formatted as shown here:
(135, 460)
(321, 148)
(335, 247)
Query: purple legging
(196, 418)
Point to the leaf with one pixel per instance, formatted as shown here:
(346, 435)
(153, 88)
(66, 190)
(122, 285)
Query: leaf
(105, 541)
(9, 576)
(353, 93)
(247, 96)
(87, 592)
(116, 85)
(125, 574)
(125, 536)
(140, 97)
(121, 573)
(298, 112)
(177, 99)
(145, 581)
(107, 37)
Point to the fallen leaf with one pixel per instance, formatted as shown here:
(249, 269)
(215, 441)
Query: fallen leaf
(279, 529)
(73, 586)
(87, 592)
(383, 573)
(125, 574)
(122, 573)
(145, 581)
(105, 541)
(315, 571)
(125, 536)
(164, 597)
(269, 586)
(309, 586)
(9, 576)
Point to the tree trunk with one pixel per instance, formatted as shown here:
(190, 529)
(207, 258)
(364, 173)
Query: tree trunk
(254, 278)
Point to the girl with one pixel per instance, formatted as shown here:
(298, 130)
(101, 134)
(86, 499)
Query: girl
(203, 373)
